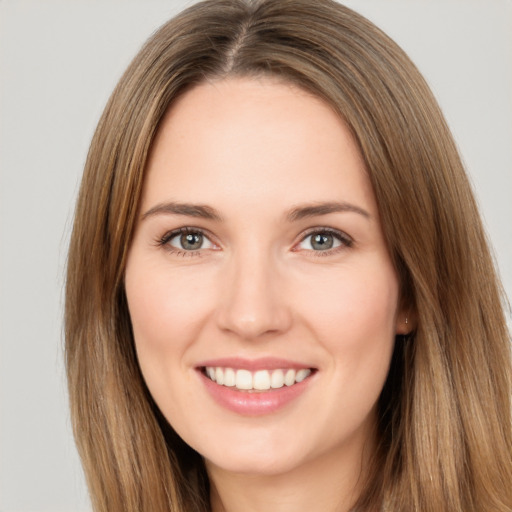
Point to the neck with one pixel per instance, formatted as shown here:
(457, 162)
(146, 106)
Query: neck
(331, 483)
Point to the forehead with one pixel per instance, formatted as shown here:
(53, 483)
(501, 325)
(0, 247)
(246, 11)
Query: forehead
(255, 140)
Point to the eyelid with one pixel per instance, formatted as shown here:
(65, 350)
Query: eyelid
(345, 240)
(163, 241)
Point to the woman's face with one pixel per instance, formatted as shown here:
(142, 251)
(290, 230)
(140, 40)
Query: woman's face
(263, 300)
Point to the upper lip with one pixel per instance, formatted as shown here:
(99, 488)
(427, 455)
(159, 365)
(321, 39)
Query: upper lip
(264, 363)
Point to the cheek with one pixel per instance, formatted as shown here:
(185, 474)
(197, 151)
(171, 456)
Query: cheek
(355, 324)
(353, 300)
(166, 309)
(354, 316)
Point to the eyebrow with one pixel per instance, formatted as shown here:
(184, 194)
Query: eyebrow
(190, 210)
(295, 214)
(316, 209)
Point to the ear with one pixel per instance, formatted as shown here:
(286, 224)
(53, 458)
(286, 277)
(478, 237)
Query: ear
(405, 322)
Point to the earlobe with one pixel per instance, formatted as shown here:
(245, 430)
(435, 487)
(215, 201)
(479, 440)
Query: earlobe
(405, 323)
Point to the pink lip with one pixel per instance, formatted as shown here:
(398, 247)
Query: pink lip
(253, 403)
(264, 363)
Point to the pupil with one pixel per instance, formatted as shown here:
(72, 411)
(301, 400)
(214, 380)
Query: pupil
(191, 241)
(322, 242)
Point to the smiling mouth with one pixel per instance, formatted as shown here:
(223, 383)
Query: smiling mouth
(260, 380)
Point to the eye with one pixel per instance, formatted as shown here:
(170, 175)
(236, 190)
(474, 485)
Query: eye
(186, 240)
(324, 240)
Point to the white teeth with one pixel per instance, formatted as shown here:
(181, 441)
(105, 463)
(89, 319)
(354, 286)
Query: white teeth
(229, 377)
(302, 374)
(243, 379)
(289, 378)
(277, 379)
(261, 380)
(219, 376)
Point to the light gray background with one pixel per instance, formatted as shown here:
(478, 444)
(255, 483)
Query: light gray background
(59, 60)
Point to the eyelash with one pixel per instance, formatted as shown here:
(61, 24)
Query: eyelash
(340, 236)
(164, 241)
(346, 241)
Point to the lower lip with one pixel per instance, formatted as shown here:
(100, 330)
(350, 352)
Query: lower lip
(256, 403)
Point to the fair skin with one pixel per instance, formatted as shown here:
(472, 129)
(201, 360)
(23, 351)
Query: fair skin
(280, 268)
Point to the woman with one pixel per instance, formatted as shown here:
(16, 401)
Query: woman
(279, 291)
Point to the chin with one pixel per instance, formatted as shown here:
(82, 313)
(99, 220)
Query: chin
(250, 451)
(250, 463)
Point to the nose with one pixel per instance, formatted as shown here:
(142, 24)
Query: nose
(254, 301)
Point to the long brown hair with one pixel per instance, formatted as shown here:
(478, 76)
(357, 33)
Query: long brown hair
(445, 411)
